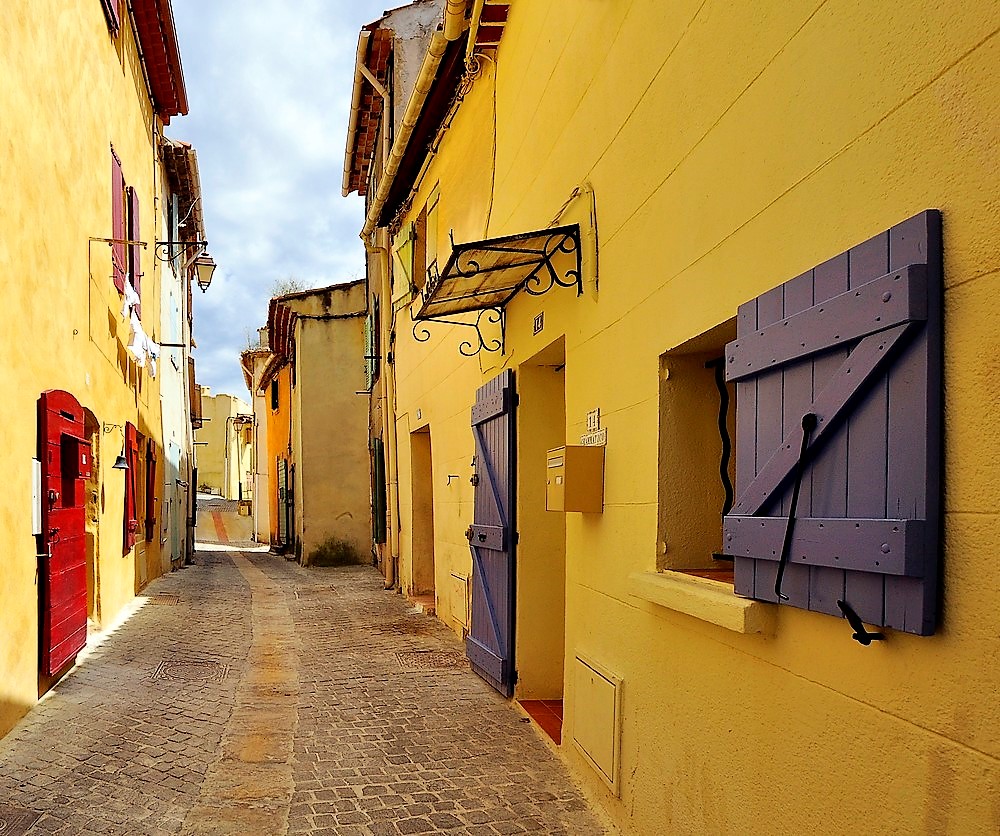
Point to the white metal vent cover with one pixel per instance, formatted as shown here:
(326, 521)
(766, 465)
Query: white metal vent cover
(597, 718)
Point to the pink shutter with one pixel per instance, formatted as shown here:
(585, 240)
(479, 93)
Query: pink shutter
(117, 223)
(134, 248)
(132, 459)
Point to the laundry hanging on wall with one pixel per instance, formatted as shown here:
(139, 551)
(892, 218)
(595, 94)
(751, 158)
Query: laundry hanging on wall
(142, 347)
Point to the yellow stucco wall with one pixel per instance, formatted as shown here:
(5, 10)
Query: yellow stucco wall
(729, 148)
(69, 94)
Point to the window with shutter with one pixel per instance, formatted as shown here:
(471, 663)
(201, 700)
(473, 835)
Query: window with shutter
(372, 345)
(118, 254)
(112, 15)
(838, 434)
(431, 232)
(402, 274)
(150, 517)
(131, 524)
(134, 265)
(379, 506)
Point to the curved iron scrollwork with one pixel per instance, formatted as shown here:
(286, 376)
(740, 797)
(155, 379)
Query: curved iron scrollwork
(169, 250)
(472, 346)
(545, 276)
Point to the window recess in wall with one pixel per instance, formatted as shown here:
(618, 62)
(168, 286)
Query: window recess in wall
(838, 376)
(696, 465)
(481, 277)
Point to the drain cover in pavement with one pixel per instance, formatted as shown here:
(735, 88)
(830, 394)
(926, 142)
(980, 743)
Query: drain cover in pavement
(164, 599)
(15, 821)
(186, 670)
(431, 660)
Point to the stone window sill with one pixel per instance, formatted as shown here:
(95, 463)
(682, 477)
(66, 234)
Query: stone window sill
(708, 600)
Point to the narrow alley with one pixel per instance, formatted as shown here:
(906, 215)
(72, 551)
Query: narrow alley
(247, 695)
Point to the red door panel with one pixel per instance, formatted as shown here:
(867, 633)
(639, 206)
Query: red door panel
(65, 458)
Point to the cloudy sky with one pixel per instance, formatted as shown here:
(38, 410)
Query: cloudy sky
(269, 85)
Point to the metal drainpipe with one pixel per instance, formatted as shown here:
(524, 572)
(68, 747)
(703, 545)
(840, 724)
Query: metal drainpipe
(454, 19)
(389, 400)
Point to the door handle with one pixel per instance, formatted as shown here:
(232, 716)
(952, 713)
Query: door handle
(468, 534)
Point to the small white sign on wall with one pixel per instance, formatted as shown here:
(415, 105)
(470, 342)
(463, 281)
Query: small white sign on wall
(594, 420)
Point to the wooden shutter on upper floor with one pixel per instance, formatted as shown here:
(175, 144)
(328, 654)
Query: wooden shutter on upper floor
(370, 361)
(118, 235)
(111, 13)
(402, 273)
(857, 342)
(134, 262)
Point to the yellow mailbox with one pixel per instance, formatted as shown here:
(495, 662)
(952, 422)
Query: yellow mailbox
(574, 479)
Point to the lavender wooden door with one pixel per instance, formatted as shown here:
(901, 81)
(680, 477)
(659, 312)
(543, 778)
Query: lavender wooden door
(65, 458)
(843, 508)
(490, 643)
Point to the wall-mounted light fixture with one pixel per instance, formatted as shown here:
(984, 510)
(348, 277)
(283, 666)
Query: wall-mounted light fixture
(191, 252)
(121, 463)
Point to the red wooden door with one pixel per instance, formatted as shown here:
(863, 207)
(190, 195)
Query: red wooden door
(66, 460)
(490, 643)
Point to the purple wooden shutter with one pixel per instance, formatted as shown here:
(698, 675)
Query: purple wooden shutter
(118, 223)
(492, 536)
(135, 265)
(857, 341)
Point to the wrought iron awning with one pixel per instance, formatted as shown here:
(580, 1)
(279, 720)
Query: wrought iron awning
(483, 276)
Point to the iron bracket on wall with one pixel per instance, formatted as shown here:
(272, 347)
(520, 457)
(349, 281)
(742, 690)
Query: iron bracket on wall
(481, 277)
(468, 348)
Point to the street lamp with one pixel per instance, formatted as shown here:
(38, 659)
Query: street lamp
(204, 264)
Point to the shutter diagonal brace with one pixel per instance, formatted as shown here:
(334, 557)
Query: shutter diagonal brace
(867, 356)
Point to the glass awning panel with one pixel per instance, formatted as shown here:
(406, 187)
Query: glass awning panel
(486, 275)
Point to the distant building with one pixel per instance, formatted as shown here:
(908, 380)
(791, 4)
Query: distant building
(317, 401)
(225, 446)
(253, 362)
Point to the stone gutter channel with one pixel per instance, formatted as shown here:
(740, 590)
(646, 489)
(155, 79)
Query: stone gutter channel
(249, 787)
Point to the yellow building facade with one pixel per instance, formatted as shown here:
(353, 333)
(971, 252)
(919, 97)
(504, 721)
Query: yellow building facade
(316, 389)
(225, 454)
(86, 93)
(705, 157)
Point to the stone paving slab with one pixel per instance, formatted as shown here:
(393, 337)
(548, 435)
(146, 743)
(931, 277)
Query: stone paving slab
(262, 698)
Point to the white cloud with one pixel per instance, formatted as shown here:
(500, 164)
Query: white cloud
(269, 93)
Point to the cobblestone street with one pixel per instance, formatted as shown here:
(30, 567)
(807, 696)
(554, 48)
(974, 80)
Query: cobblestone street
(250, 696)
